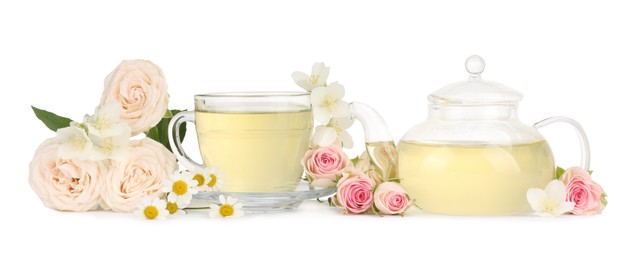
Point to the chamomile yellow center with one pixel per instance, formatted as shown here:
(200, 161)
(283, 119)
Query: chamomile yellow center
(151, 212)
(213, 180)
(200, 179)
(172, 207)
(226, 210)
(179, 187)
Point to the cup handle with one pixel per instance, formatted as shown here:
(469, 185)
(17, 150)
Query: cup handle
(582, 137)
(174, 138)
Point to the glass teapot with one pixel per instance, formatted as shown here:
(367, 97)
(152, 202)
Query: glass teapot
(472, 155)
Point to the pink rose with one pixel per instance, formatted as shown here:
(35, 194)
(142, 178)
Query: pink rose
(324, 164)
(70, 185)
(139, 86)
(583, 191)
(354, 192)
(127, 182)
(391, 198)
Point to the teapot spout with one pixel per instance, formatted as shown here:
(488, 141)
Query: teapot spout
(380, 147)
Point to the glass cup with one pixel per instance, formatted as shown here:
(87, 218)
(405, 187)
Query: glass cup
(256, 139)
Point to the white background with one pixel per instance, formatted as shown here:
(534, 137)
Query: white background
(567, 57)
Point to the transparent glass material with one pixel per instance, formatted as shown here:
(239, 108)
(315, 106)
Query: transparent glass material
(472, 155)
(257, 140)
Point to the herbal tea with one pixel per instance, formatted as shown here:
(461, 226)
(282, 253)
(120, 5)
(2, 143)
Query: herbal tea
(258, 152)
(473, 179)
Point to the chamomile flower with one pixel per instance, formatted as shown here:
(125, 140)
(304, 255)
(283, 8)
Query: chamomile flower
(174, 208)
(209, 179)
(181, 187)
(152, 208)
(215, 180)
(229, 208)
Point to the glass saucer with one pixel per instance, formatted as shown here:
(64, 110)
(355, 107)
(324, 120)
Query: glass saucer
(267, 202)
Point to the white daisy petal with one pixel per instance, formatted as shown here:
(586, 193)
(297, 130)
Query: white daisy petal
(186, 198)
(230, 200)
(159, 203)
(222, 199)
(172, 197)
(238, 206)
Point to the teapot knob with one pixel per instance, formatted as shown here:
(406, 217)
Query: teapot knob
(475, 65)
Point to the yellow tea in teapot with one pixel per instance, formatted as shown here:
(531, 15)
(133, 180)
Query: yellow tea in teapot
(257, 151)
(473, 179)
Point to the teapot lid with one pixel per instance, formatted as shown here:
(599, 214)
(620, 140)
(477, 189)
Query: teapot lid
(475, 90)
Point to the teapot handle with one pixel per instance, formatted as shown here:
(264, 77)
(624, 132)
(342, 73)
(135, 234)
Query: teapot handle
(582, 137)
(379, 144)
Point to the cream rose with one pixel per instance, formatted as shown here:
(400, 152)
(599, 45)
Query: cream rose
(69, 185)
(126, 183)
(324, 164)
(139, 86)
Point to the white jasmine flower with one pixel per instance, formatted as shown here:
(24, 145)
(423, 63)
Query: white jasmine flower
(181, 187)
(319, 74)
(550, 201)
(105, 121)
(152, 208)
(335, 130)
(229, 208)
(111, 147)
(74, 142)
(327, 102)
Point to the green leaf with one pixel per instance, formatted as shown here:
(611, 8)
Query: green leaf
(51, 120)
(160, 131)
(590, 172)
(355, 160)
(559, 172)
(168, 114)
(603, 199)
(396, 180)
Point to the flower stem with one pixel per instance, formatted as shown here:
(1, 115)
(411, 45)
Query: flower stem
(194, 208)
